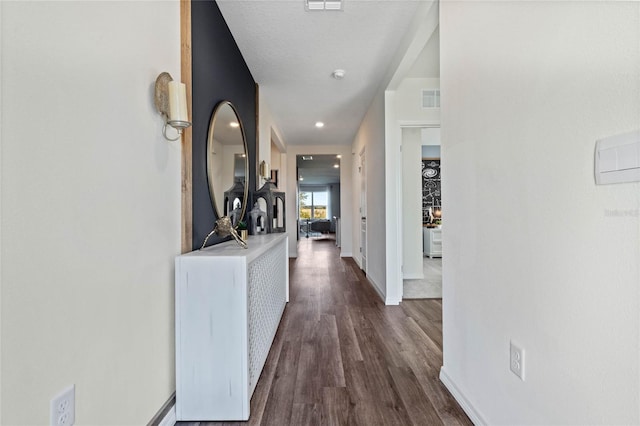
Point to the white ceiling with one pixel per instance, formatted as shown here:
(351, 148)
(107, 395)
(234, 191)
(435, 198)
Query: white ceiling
(291, 54)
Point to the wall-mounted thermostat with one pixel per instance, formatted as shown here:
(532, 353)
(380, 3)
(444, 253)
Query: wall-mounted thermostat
(618, 159)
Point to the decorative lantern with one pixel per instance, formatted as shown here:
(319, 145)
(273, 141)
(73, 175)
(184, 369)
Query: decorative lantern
(274, 204)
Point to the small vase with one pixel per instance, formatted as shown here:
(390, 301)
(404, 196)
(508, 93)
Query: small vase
(244, 234)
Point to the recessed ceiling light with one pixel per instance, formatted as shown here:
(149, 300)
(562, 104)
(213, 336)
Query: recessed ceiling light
(319, 124)
(338, 74)
(301, 178)
(234, 124)
(336, 166)
(307, 157)
(338, 156)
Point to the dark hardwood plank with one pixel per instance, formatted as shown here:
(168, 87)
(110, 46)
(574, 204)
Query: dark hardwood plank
(417, 404)
(445, 405)
(280, 400)
(347, 336)
(336, 405)
(306, 414)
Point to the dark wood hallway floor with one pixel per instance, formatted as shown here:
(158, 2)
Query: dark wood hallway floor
(340, 357)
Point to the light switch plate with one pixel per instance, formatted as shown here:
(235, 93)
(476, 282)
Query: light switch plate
(617, 158)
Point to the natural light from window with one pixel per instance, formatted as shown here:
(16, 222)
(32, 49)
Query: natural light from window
(313, 204)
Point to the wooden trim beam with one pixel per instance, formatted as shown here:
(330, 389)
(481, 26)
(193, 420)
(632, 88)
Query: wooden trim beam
(187, 135)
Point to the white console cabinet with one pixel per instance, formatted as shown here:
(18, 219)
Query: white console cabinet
(432, 242)
(229, 302)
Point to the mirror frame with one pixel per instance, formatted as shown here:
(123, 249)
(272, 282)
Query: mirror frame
(210, 133)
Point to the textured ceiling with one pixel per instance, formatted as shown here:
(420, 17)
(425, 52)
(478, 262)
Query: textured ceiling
(291, 54)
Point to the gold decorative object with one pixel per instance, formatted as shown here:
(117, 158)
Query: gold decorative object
(224, 228)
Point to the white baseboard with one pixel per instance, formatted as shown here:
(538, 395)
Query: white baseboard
(413, 277)
(466, 405)
(170, 419)
(392, 301)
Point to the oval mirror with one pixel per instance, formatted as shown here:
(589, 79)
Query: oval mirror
(227, 163)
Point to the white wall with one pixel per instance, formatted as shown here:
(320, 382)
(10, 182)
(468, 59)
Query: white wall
(412, 266)
(370, 136)
(90, 209)
(1, 220)
(346, 197)
(268, 133)
(406, 110)
(534, 250)
(409, 101)
(275, 157)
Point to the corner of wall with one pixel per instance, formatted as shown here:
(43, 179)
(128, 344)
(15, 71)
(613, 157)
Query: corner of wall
(379, 289)
(460, 397)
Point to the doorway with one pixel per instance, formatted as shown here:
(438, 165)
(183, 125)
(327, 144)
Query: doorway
(318, 195)
(363, 211)
(422, 213)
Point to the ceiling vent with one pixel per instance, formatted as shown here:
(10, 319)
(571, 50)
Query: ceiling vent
(307, 157)
(314, 5)
(431, 98)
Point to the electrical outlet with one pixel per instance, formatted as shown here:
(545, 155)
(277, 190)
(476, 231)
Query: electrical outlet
(63, 408)
(517, 360)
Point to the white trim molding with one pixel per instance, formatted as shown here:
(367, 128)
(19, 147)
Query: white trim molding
(392, 301)
(466, 405)
(170, 418)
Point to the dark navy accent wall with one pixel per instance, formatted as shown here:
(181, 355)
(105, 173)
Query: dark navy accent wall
(219, 73)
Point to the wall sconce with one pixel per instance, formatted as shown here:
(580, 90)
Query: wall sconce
(171, 102)
(264, 170)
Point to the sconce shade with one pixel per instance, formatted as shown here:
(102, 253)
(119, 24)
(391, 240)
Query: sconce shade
(177, 103)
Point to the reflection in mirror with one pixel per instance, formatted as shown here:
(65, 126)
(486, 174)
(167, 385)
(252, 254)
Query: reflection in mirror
(227, 163)
(279, 214)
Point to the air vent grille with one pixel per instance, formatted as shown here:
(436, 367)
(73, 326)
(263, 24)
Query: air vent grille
(313, 5)
(431, 98)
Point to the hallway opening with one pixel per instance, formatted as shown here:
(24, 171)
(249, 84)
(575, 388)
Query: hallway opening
(318, 195)
(341, 357)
